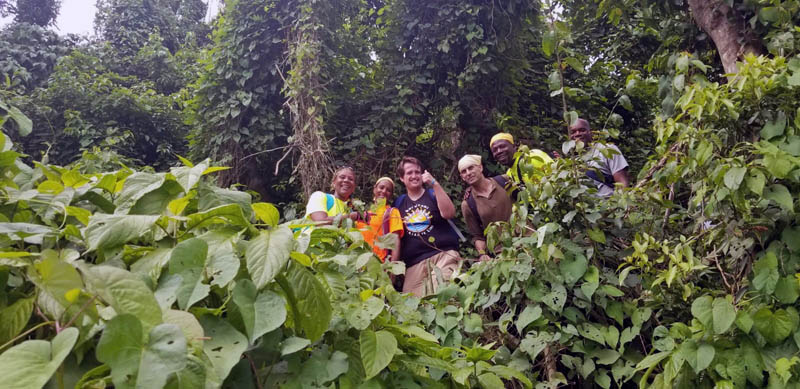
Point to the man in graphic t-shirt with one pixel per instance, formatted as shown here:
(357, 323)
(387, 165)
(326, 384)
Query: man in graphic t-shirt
(606, 165)
(429, 242)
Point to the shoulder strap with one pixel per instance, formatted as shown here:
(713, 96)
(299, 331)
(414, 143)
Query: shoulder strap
(473, 206)
(399, 200)
(329, 201)
(431, 194)
(606, 179)
(509, 186)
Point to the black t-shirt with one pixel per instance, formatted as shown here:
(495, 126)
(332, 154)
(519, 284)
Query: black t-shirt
(422, 221)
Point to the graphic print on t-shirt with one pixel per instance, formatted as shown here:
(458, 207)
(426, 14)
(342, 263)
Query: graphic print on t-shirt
(418, 219)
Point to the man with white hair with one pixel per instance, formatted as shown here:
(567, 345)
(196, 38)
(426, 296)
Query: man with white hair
(485, 201)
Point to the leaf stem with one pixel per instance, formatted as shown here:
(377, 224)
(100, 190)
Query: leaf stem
(24, 334)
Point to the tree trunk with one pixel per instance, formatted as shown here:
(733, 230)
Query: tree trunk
(304, 97)
(727, 29)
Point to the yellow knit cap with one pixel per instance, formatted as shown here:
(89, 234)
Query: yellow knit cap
(502, 136)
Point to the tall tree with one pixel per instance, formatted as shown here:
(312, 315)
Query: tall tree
(39, 12)
(728, 28)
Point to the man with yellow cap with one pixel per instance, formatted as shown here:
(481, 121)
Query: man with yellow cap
(519, 160)
(485, 201)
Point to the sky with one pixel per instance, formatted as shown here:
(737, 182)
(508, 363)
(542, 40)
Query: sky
(77, 16)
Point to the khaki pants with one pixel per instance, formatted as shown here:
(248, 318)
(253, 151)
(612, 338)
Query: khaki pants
(422, 279)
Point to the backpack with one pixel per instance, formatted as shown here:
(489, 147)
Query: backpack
(607, 180)
(402, 197)
(473, 206)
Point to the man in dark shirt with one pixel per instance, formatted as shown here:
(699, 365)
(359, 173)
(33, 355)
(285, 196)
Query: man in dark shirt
(485, 196)
(428, 242)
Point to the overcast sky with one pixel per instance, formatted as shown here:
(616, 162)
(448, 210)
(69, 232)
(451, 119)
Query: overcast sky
(77, 16)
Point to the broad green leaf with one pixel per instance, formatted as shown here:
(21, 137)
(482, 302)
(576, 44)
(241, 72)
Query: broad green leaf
(490, 381)
(724, 315)
(267, 254)
(24, 124)
(30, 364)
(787, 290)
(775, 127)
(556, 298)
(593, 332)
(790, 236)
(652, 360)
(164, 354)
(744, 321)
(765, 273)
(124, 291)
(597, 235)
(189, 176)
(360, 316)
(611, 336)
(152, 263)
(225, 345)
(509, 373)
(293, 345)
(211, 197)
(108, 231)
(188, 260)
(530, 314)
(702, 310)
(777, 326)
(311, 306)
(377, 350)
(155, 202)
(228, 214)
(120, 347)
(135, 187)
(223, 262)
(548, 42)
(573, 269)
(267, 213)
(606, 356)
(781, 196)
(14, 317)
(56, 277)
(755, 182)
(261, 312)
(192, 376)
(734, 176)
(705, 354)
(187, 322)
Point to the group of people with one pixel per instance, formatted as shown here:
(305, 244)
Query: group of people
(419, 220)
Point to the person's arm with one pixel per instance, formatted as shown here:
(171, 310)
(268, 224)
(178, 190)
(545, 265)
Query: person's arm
(621, 177)
(396, 251)
(618, 167)
(446, 208)
(315, 209)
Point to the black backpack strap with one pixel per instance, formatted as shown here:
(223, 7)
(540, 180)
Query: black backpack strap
(473, 206)
(509, 186)
(606, 179)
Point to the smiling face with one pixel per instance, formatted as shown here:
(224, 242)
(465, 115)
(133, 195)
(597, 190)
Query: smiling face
(383, 190)
(471, 174)
(580, 131)
(344, 183)
(503, 151)
(412, 176)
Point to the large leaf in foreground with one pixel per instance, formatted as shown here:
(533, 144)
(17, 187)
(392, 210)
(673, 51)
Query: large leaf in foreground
(268, 254)
(32, 363)
(106, 231)
(188, 260)
(14, 317)
(224, 346)
(260, 312)
(377, 350)
(124, 291)
(309, 300)
(123, 349)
